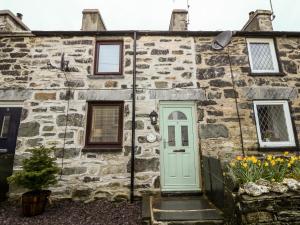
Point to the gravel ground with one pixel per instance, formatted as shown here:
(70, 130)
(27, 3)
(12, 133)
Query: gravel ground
(72, 213)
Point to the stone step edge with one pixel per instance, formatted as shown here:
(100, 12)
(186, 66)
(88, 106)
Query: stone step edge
(185, 222)
(184, 210)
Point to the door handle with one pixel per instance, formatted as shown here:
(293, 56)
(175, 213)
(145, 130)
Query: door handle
(179, 150)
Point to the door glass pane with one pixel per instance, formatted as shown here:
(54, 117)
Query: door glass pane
(105, 124)
(184, 136)
(272, 123)
(109, 57)
(171, 135)
(177, 116)
(5, 126)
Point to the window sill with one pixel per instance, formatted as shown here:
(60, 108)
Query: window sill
(107, 149)
(96, 77)
(279, 74)
(278, 149)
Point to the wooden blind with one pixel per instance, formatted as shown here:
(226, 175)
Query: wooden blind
(105, 124)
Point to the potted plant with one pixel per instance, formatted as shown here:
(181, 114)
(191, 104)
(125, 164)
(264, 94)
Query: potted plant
(39, 172)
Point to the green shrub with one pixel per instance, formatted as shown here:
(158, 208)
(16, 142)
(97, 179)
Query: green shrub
(39, 171)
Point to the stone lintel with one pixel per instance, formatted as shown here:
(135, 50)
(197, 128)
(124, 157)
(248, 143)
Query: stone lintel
(108, 95)
(270, 93)
(15, 95)
(183, 94)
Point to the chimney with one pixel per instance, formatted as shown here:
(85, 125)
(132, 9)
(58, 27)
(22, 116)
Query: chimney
(92, 20)
(260, 20)
(20, 16)
(178, 20)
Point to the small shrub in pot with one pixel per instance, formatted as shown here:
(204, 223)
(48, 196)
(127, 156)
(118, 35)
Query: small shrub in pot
(39, 172)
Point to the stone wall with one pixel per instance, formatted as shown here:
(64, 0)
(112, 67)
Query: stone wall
(168, 68)
(219, 111)
(272, 209)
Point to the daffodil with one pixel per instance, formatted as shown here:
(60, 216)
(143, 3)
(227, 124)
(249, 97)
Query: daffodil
(286, 153)
(239, 158)
(245, 165)
(273, 162)
(269, 157)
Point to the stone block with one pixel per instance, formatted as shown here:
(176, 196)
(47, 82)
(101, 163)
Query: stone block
(220, 83)
(66, 153)
(159, 51)
(108, 95)
(74, 170)
(74, 119)
(269, 93)
(42, 96)
(145, 165)
(161, 84)
(29, 129)
(139, 125)
(210, 73)
(208, 131)
(34, 142)
(186, 94)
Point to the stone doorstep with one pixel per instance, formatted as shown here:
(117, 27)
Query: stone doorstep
(204, 222)
(180, 210)
(194, 215)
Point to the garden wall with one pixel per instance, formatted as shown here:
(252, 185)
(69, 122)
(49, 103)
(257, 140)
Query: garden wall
(271, 209)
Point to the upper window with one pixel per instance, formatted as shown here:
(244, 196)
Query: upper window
(262, 55)
(108, 57)
(273, 124)
(105, 124)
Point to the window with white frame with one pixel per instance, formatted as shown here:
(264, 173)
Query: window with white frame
(262, 55)
(273, 124)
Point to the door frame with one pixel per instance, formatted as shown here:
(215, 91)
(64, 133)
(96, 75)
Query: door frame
(192, 105)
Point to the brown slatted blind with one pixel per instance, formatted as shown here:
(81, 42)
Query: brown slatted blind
(105, 124)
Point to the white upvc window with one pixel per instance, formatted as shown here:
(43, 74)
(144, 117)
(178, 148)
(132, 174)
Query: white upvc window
(262, 55)
(273, 124)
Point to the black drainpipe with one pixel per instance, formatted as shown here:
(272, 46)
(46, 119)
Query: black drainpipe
(133, 119)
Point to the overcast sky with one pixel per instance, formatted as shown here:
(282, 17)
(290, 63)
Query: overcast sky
(152, 14)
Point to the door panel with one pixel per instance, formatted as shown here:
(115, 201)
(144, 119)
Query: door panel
(179, 158)
(9, 125)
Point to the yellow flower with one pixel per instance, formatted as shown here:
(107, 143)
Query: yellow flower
(269, 157)
(232, 164)
(252, 159)
(273, 162)
(289, 165)
(239, 158)
(266, 164)
(285, 153)
(245, 165)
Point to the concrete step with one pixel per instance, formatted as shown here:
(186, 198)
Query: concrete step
(191, 210)
(195, 215)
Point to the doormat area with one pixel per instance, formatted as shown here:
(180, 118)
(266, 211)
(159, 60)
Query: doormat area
(66, 212)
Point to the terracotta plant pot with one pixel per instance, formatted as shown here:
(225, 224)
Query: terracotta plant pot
(34, 202)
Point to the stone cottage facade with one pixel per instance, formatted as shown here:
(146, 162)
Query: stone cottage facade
(209, 102)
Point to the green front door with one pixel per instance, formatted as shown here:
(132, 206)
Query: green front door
(179, 153)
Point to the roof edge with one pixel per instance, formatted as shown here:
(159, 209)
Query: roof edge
(153, 33)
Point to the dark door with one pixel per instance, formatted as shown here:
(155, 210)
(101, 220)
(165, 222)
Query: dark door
(9, 125)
